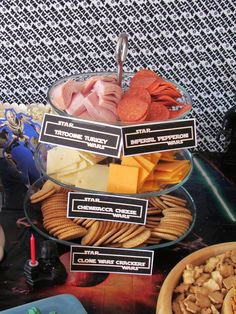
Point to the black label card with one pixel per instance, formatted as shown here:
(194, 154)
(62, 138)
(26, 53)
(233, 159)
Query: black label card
(111, 260)
(106, 207)
(155, 137)
(94, 137)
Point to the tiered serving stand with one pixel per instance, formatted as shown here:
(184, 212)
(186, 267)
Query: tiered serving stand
(33, 212)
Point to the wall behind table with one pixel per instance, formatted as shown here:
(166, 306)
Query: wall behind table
(189, 41)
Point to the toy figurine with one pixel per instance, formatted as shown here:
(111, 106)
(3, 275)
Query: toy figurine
(48, 270)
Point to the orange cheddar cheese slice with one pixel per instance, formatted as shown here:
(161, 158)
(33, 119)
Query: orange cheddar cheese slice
(172, 177)
(155, 157)
(122, 179)
(148, 156)
(151, 176)
(150, 185)
(131, 162)
(183, 172)
(145, 163)
(181, 169)
(168, 156)
(170, 166)
(163, 176)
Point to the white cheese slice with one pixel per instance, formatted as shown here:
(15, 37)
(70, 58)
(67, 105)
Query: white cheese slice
(93, 178)
(68, 178)
(90, 158)
(61, 157)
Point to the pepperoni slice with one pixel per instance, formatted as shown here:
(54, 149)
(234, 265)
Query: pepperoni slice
(157, 112)
(144, 73)
(174, 93)
(168, 99)
(132, 109)
(144, 82)
(140, 92)
(154, 87)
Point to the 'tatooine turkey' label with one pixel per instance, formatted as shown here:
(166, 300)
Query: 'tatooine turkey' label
(99, 138)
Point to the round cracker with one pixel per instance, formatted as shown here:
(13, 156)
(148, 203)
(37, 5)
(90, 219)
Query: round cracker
(183, 216)
(126, 233)
(73, 234)
(117, 234)
(177, 210)
(165, 236)
(60, 227)
(175, 232)
(105, 237)
(174, 199)
(40, 197)
(155, 201)
(137, 240)
(181, 229)
(90, 233)
(57, 233)
(56, 222)
(98, 233)
(133, 234)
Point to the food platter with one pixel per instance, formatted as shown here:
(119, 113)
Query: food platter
(34, 215)
(184, 98)
(164, 304)
(41, 158)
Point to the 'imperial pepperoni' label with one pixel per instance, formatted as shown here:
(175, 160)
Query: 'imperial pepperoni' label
(156, 137)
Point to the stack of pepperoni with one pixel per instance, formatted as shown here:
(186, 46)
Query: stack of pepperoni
(150, 98)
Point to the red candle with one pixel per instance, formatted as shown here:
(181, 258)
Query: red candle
(32, 250)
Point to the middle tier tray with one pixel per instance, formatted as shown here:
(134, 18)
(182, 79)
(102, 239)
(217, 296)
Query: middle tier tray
(143, 175)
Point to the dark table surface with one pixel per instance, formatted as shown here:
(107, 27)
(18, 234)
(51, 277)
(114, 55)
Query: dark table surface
(215, 199)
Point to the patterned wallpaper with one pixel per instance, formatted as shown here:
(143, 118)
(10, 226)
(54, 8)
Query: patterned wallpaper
(189, 41)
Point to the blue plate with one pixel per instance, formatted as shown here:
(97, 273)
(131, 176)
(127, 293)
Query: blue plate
(59, 303)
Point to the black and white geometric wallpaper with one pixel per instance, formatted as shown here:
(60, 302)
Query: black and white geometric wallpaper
(189, 41)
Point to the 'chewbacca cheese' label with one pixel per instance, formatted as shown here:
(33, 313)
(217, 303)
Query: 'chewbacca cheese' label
(107, 207)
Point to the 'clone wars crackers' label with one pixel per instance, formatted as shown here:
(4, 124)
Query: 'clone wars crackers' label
(111, 260)
(154, 137)
(89, 136)
(107, 207)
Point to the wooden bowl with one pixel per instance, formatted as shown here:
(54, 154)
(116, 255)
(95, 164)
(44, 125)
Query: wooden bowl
(164, 301)
(227, 307)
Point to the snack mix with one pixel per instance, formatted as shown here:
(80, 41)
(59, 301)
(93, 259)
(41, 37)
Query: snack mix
(204, 287)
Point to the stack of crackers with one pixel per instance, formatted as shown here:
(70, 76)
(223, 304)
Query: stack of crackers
(168, 218)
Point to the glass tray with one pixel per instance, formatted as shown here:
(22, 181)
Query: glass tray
(186, 98)
(35, 218)
(41, 163)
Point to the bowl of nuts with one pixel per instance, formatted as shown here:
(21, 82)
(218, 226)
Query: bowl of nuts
(200, 282)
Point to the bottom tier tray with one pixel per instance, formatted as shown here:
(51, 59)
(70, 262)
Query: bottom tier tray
(170, 218)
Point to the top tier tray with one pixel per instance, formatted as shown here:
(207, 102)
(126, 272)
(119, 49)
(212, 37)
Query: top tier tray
(172, 107)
